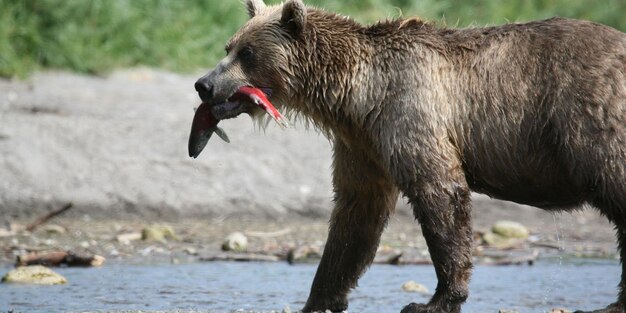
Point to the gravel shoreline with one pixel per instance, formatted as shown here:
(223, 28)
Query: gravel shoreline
(197, 240)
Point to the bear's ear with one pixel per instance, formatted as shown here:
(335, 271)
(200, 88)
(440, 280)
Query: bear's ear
(294, 16)
(254, 7)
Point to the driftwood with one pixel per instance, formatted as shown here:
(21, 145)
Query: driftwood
(413, 261)
(59, 258)
(497, 257)
(262, 234)
(43, 219)
(401, 259)
(393, 259)
(240, 257)
(304, 254)
(128, 237)
(549, 245)
(513, 260)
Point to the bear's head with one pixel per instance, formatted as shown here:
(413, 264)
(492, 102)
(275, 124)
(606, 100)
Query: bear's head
(258, 55)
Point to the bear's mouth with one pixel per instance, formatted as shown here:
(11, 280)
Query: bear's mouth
(245, 99)
(208, 115)
(242, 101)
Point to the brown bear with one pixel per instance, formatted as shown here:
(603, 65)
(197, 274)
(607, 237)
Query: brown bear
(533, 113)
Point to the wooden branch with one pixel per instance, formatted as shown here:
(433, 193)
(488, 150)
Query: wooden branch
(401, 259)
(58, 258)
(240, 257)
(514, 260)
(262, 234)
(43, 219)
(549, 245)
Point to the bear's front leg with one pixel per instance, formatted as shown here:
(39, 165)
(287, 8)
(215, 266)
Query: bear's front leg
(364, 197)
(443, 211)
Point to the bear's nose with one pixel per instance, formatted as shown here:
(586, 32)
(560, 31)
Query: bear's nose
(204, 89)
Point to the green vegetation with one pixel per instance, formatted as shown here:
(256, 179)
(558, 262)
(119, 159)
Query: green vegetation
(95, 36)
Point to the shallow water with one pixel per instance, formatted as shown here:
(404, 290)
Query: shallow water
(223, 287)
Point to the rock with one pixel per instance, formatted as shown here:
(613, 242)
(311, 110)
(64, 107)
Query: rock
(54, 229)
(16, 228)
(5, 233)
(190, 251)
(560, 310)
(235, 242)
(158, 233)
(500, 242)
(308, 253)
(507, 311)
(411, 286)
(35, 274)
(97, 260)
(510, 229)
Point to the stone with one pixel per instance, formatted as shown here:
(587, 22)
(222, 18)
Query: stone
(500, 242)
(35, 274)
(510, 229)
(160, 233)
(5, 233)
(98, 260)
(236, 242)
(303, 254)
(560, 310)
(412, 286)
(54, 229)
(190, 251)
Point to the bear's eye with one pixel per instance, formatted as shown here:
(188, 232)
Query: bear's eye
(246, 54)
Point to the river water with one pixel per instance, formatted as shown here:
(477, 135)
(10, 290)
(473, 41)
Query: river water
(228, 286)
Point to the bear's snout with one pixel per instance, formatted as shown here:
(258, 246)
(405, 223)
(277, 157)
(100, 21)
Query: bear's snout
(204, 89)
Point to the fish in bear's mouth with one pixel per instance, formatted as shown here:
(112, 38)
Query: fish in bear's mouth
(207, 116)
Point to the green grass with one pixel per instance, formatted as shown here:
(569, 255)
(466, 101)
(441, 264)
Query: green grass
(96, 36)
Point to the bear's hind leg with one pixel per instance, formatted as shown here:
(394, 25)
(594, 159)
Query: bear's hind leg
(620, 305)
(620, 226)
(610, 200)
(364, 198)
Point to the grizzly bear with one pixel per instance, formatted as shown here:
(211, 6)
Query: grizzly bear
(533, 113)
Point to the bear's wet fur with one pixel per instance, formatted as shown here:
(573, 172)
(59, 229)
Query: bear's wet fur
(533, 113)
